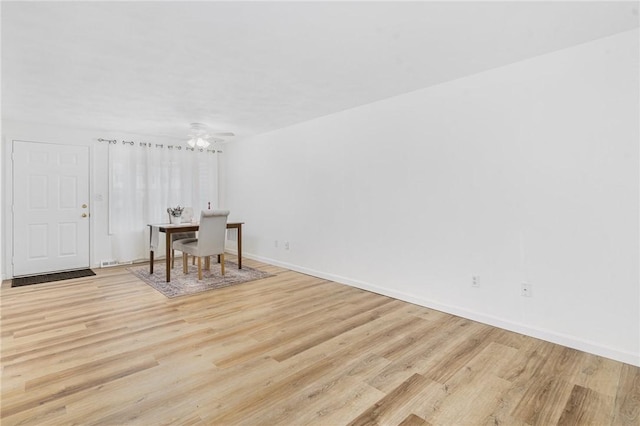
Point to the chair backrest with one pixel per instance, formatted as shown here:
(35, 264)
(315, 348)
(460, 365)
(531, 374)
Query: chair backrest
(213, 231)
(187, 214)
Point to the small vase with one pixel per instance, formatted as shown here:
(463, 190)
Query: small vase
(175, 220)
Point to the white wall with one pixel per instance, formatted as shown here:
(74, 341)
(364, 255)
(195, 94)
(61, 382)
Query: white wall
(100, 244)
(526, 173)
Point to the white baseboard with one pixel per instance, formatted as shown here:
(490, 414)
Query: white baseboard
(542, 334)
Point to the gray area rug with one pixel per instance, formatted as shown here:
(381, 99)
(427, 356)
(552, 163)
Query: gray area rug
(182, 285)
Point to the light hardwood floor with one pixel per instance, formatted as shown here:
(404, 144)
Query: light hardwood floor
(287, 350)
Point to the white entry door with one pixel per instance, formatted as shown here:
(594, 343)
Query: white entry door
(50, 207)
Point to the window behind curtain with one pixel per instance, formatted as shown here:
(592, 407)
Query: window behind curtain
(144, 181)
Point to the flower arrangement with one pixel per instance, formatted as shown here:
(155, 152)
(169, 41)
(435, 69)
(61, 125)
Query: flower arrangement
(175, 212)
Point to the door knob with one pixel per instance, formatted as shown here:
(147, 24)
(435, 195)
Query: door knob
(84, 215)
(84, 206)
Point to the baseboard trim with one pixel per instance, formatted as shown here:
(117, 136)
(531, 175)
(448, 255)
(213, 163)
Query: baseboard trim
(542, 334)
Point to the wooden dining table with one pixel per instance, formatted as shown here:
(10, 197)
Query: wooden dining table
(169, 229)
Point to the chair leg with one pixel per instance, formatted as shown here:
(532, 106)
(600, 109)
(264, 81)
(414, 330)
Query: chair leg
(173, 258)
(222, 263)
(199, 268)
(207, 263)
(184, 263)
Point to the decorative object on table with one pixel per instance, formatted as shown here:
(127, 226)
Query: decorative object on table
(183, 285)
(175, 214)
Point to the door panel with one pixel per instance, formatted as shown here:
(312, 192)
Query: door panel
(38, 240)
(68, 237)
(68, 197)
(51, 195)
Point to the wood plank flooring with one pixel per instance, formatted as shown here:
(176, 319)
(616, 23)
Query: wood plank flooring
(291, 349)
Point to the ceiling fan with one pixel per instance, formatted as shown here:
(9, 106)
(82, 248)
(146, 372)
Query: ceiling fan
(201, 138)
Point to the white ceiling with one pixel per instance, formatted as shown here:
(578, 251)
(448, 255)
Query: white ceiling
(250, 67)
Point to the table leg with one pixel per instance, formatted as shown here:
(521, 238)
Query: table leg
(240, 246)
(168, 254)
(151, 261)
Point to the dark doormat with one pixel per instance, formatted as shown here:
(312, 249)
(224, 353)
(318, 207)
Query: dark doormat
(46, 278)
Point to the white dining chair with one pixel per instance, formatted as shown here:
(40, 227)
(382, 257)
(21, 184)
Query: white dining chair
(187, 215)
(210, 242)
(180, 236)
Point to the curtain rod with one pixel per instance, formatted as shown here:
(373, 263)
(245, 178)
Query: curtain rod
(160, 145)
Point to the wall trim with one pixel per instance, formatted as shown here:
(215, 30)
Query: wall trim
(538, 333)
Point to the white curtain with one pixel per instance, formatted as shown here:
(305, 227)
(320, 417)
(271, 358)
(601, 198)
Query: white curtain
(144, 180)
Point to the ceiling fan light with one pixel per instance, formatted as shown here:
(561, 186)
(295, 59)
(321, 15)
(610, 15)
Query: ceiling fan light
(199, 136)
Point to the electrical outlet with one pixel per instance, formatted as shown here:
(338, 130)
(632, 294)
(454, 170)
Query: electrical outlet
(286, 245)
(475, 281)
(526, 289)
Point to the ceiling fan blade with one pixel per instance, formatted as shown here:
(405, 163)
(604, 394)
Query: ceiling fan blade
(223, 134)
